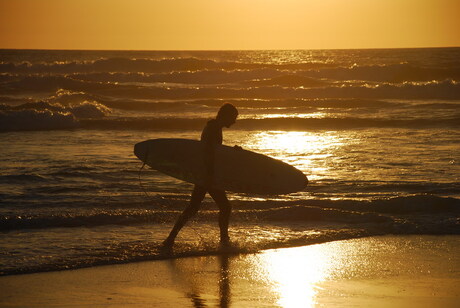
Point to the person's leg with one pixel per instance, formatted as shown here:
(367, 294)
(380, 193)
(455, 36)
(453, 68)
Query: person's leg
(195, 202)
(225, 210)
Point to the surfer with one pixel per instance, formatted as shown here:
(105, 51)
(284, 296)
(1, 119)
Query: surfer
(210, 136)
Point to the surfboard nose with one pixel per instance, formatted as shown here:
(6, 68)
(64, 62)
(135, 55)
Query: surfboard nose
(141, 150)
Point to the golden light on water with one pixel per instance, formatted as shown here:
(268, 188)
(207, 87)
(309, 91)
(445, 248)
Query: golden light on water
(307, 151)
(295, 142)
(305, 115)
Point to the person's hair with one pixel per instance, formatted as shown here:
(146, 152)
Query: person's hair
(227, 109)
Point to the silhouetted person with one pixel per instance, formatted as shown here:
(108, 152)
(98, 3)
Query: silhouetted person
(210, 137)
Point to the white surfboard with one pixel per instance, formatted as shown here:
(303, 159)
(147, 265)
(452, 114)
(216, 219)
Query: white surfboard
(235, 170)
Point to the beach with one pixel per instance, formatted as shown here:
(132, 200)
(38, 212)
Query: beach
(383, 271)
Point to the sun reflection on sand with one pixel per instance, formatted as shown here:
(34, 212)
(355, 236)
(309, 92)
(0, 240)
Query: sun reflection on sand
(294, 274)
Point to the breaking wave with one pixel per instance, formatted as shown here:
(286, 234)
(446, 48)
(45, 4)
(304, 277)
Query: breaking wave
(89, 117)
(194, 70)
(384, 213)
(185, 77)
(261, 103)
(394, 73)
(268, 124)
(146, 65)
(48, 116)
(18, 120)
(447, 89)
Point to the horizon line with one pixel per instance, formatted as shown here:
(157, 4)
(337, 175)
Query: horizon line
(269, 49)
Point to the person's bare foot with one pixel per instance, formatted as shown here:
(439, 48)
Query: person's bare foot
(225, 243)
(167, 243)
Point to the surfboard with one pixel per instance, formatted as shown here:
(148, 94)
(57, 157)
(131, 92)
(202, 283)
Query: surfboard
(235, 170)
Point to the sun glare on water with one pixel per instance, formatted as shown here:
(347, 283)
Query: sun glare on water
(304, 115)
(303, 150)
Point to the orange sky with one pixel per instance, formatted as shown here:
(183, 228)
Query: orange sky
(228, 24)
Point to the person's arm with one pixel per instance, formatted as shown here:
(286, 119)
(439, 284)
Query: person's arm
(209, 158)
(209, 138)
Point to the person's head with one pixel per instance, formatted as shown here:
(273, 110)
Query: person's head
(227, 115)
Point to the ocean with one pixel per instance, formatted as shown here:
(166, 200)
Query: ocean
(377, 132)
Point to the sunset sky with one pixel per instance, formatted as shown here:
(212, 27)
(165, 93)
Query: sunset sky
(228, 24)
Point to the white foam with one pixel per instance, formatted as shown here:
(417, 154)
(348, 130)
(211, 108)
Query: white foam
(88, 110)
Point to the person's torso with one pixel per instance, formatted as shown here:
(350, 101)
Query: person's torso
(212, 133)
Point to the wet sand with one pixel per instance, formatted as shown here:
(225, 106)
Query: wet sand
(386, 271)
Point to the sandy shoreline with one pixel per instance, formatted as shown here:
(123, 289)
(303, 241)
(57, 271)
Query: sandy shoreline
(386, 271)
